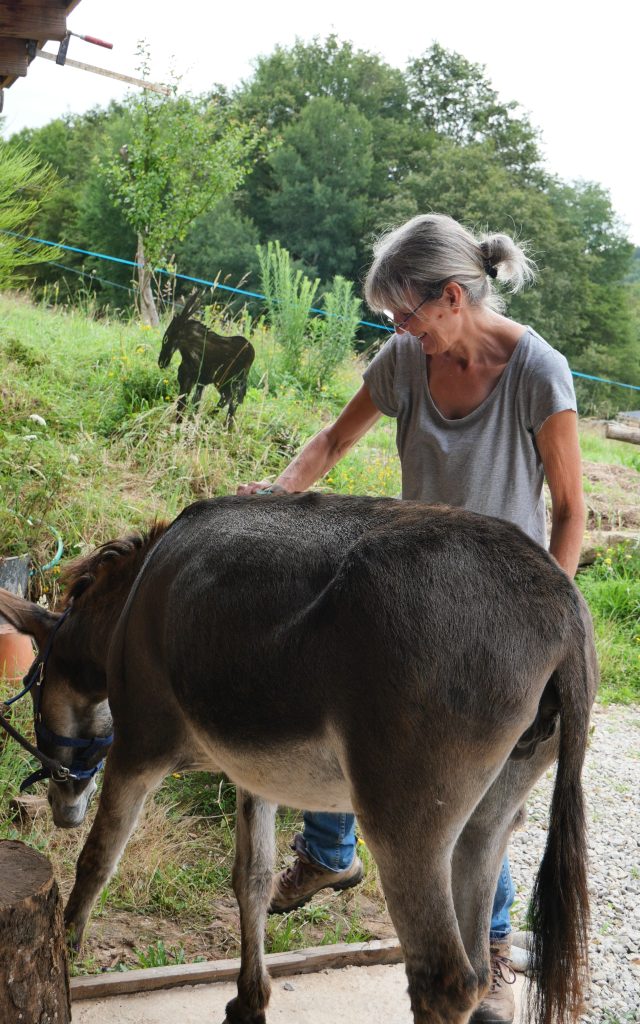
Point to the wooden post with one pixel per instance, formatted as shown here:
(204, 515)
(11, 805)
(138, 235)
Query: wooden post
(34, 984)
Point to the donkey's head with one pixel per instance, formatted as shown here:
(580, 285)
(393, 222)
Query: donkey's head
(68, 679)
(173, 333)
(72, 724)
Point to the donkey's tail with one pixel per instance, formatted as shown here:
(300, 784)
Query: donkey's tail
(560, 899)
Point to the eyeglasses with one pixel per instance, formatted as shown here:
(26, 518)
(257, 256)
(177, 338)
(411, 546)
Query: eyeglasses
(431, 297)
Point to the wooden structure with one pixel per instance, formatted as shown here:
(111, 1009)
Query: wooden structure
(25, 26)
(34, 984)
(299, 961)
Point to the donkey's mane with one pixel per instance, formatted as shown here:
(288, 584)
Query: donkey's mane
(122, 556)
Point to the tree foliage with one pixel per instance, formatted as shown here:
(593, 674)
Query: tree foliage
(24, 185)
(320, 198)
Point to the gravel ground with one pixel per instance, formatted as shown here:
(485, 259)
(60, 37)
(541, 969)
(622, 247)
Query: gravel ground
(612, 787)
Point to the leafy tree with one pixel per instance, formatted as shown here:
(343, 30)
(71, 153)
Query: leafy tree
(453, 97)
(321, 171)
(24, 184)
(287, 79)
(571, 232)
(184, 155)
(221, 242)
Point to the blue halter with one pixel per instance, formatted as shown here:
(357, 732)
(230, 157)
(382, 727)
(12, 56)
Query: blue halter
(86, 748)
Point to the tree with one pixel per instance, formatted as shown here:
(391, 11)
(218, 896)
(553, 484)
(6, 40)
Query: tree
(288, 81)
(183, 156)
(321, 173)
(221, 241)
(80, 211)
(24, 185)
(452, 97)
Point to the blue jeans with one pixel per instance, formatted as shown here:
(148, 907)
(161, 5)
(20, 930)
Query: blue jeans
(331, 842)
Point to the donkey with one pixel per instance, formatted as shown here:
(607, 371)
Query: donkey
(207, 358)
(419, 665)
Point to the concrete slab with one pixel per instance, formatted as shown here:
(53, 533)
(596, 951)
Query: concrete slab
(376, 995)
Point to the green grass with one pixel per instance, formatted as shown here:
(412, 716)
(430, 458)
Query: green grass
(602, 449)
(612, 590)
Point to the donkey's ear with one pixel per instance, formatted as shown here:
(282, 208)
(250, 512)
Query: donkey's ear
(27, 617)
(192, 303)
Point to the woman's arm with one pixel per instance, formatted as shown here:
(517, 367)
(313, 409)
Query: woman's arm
(322, 452)
(559, 448)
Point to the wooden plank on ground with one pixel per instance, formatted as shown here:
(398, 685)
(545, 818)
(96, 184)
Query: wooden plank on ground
(621, 432)
(32, 19)
(302, 961)
(13, 57)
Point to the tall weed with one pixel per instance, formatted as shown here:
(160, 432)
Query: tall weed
(331, 336)
(289, 295)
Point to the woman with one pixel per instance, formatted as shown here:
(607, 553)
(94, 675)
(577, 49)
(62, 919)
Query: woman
(485, 411)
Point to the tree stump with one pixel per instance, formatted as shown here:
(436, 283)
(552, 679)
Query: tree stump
(34, 984)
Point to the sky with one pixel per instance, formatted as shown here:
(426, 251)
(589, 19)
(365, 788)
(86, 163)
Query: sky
(572, 66)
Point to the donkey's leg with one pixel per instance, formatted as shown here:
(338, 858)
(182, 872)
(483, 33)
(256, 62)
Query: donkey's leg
(252, 874)
(185, 384)
(481, 846)
(476, 865)
(121, 800)
(413, 852)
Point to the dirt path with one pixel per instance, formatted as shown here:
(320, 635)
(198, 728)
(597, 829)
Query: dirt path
(376, 995)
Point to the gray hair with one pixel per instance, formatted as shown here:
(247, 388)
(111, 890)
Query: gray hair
(432, 249)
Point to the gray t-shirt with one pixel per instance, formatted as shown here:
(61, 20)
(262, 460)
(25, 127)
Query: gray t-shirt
(488, 461)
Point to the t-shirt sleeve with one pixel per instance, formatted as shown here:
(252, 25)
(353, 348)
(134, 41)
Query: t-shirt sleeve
(380, 378)
(549, 388)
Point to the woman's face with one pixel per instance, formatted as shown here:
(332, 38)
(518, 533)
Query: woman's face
(434, 322)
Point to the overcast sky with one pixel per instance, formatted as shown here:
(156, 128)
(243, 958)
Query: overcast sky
(572, 66)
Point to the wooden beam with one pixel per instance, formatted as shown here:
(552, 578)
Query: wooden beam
(302, 961)
(143, 83)
(620, 432)
(32, 19)
(13, 57)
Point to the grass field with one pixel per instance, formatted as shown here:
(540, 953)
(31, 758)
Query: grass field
(104, 456)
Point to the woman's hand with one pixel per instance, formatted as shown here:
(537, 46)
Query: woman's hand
(262, 485)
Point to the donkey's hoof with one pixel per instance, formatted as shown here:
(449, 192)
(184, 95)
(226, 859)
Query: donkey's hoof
(235, 1014)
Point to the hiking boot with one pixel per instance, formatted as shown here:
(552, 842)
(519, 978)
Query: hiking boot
(295, 886)
(499, 1005)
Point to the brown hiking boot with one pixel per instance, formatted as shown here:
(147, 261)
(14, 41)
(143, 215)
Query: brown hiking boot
(499, 1005)
(295, 886)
